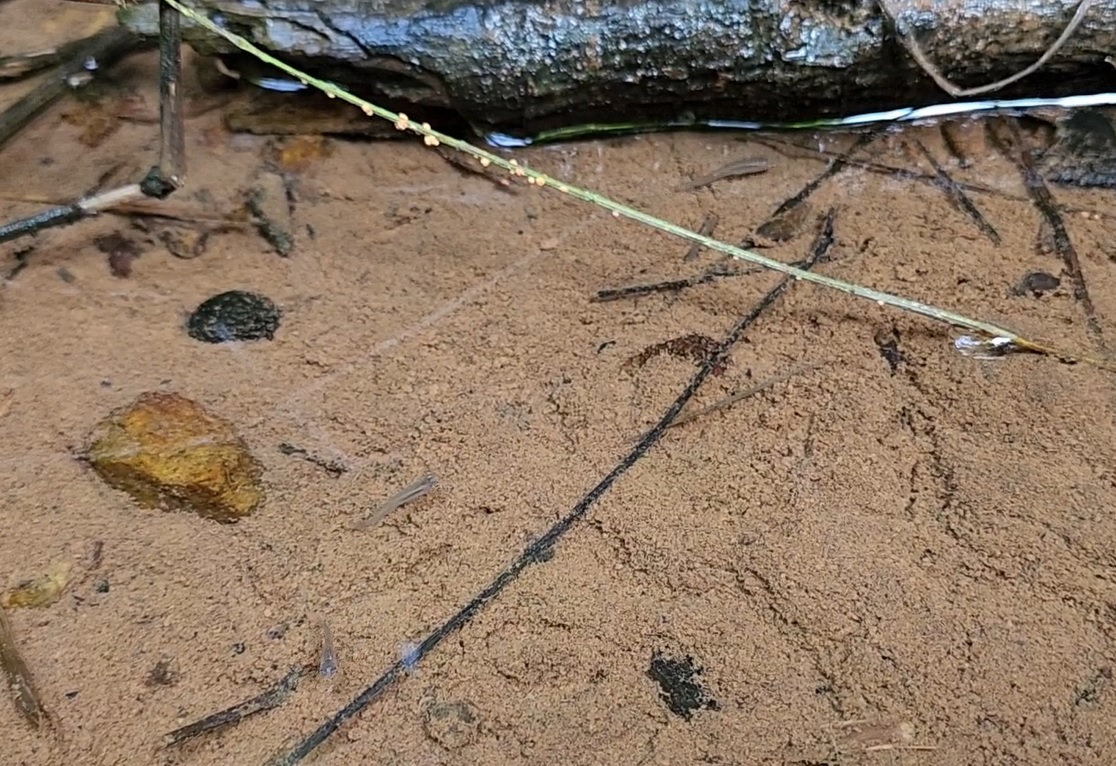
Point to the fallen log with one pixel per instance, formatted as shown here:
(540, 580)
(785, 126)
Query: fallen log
(523, 67)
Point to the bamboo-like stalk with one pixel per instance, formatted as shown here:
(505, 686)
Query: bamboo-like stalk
(996, 341)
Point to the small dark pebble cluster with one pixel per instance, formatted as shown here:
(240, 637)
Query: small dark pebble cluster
(235, 315)
(1036, 283)
(680, 685)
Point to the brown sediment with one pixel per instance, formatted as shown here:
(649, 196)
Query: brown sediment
(904, 537)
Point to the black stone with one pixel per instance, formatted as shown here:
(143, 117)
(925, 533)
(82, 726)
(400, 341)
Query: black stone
(235, 315)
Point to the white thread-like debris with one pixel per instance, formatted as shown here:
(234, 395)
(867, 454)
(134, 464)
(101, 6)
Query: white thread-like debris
(987, 348)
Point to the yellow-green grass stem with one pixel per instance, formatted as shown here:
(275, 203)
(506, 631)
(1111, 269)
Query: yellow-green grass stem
(432, 137)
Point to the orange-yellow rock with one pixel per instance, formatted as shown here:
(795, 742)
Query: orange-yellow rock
(168, 452)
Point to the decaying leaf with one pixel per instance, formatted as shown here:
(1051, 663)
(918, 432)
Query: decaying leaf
(40, 592)
(18, 677)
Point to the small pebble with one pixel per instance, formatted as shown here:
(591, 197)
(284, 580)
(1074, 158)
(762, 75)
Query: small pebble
(453, 724)
(235, 315)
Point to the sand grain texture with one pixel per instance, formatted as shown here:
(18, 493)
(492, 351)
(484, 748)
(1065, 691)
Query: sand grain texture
(928, 548)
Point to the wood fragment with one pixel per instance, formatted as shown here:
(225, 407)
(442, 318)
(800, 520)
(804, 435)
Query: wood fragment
(1006, 136)
(707, 226)
(269, 699)
(958, 196)
(19, 680)
(670, 285)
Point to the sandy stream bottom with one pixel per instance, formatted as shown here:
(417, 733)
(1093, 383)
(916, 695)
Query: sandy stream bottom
(897, 546)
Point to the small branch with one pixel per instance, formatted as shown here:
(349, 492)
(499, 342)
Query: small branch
(104, 48)
(747, 393)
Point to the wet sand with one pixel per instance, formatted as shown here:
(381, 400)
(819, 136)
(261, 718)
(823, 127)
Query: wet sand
(897, 546)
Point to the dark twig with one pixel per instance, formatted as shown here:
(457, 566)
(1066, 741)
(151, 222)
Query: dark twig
(718, 271)
(1044, 203)
(784, 147)
(164, 177)
(819, 252)
(105, 48)
(170, 173)
(271, 698)
(542, 549)
(836, 165)
(958, 196)
(668, 286)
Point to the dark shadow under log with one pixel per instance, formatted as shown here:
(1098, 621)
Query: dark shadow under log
(525, 66)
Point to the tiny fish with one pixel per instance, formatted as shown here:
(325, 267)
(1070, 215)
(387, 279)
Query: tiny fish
(745, 166)
(327, 668)
(412, 492)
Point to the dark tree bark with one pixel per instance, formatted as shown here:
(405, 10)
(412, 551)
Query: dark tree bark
(523, 66)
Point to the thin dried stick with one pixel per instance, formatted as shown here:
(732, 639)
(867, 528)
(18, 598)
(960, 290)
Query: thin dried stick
(747, 393)
(920, 58)
(147, 207)
(271, 698)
